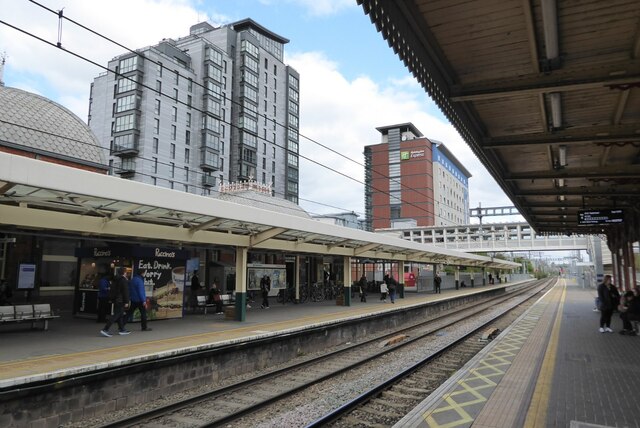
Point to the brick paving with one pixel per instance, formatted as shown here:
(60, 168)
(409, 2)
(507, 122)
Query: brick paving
(597, 376)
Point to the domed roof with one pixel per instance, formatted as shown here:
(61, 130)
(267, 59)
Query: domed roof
(34, 123)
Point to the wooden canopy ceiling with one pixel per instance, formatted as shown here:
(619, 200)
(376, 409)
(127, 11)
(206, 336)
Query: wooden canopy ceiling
(545, 92)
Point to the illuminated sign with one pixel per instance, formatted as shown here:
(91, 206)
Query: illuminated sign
(599, 217)
(412, 154)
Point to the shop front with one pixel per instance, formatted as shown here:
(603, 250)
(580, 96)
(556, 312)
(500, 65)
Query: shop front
(165, 277)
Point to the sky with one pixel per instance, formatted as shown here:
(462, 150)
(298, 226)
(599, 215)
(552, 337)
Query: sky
(351, 82)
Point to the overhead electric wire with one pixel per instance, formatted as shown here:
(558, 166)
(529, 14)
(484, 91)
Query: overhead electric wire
(177, 71)
(107, 167)
(204, 112)
(201, 111)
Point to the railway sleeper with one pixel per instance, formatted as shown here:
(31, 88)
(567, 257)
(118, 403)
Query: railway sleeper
(355, 422)
(413, 390)
(399, 395)
(383, 412)
(446, 365)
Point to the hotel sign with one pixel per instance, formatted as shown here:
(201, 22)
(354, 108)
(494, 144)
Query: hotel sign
(406, 155)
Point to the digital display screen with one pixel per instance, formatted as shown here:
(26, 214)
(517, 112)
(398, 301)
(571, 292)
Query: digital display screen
(599, 217)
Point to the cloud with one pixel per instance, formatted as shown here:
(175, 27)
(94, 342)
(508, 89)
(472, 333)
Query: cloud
(316, 7)
(343, 115)
(133, 24)
(337, 112)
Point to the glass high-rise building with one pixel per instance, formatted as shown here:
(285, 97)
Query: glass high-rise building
(214, 107)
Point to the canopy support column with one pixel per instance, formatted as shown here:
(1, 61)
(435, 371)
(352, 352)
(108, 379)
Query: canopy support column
(241, 283)
(346, 268)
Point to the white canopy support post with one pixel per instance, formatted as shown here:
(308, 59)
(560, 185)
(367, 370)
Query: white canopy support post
(346, 268)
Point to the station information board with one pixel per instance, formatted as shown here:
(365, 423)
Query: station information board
(600, 217)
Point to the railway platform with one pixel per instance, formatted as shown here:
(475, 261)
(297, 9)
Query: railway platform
(551, 368)
(73, 346)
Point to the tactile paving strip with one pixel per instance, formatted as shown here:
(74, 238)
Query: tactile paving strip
(463, 403)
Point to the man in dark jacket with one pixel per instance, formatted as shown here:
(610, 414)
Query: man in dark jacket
(607, 304)
(120, 301)
(138, 298)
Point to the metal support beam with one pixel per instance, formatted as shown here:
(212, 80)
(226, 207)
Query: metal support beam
(267, 234)
(543, 85)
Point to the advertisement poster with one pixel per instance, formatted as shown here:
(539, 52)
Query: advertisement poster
(164, 282)
(277, 273)
(26, 276)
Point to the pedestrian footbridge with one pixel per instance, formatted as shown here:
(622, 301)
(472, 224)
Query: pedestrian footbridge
(496, 238)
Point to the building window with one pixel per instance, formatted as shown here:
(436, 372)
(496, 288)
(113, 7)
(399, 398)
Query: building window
(126, 84)
(188, 120)
(292, 159)
(173, 132)
(186, 173)
(174, 114)
(159, 69)
(124, 123)
(156, 126)
(273, 167)
(190, 84)
(125, 103)
(155, 145)
(273, 152)
(176, 78)
(189, 101)
(175, 94)
(173, 151)
(172, 172)
(186, 155)
(159, 87)
(187, 138)
(128, 64)
(156, 110)
(155, 165)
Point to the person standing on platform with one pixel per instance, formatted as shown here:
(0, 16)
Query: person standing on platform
(391, 285)
(104, 307)
(362, 288)
(607, 304)
(265, 287)
(383, 291)
(630, 311)
(436, 283)
(195, 289)
(119, 296)
(5, 293)
(138, 297)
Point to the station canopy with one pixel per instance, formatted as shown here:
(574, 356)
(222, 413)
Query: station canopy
(37, 195)
(546, 93)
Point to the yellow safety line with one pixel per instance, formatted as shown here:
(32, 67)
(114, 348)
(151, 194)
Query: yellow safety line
(537, 413)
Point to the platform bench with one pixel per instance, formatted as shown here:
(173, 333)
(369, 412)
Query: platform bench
(27, 313)
(226, 301)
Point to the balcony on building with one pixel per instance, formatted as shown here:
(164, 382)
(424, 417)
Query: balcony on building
(208, 160)
(125, 167)
(126, 145)
(208, 180)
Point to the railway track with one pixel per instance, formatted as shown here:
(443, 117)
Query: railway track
(238, 403)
